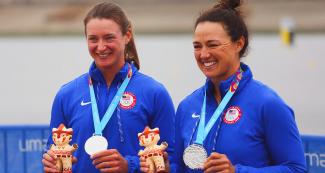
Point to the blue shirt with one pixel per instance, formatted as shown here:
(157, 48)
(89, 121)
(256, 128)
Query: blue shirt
(257, 133)
(147, 103)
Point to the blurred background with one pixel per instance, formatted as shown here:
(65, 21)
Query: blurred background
(42, 46)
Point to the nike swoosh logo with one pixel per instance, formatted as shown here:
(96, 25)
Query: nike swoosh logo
(84, 103)
(194, 115)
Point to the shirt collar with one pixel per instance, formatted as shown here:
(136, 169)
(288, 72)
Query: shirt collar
(97, 76)
(224, 85)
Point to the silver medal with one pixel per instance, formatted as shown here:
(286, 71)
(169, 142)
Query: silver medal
(95, 144)
(194, 156)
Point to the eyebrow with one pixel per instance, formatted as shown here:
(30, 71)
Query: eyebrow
(106, 35)
(110, 34)
(209, 41)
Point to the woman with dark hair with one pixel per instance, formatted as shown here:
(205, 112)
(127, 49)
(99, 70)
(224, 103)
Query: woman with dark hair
(113, 102)
(233, 123)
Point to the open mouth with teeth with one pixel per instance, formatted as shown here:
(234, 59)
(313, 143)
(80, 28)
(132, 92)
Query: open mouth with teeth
(209, 64)
(103, 55)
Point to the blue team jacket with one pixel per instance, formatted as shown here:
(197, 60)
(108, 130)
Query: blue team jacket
(150, 105)
(258, 132)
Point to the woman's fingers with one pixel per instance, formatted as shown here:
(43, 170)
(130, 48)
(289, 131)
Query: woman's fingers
(219, 163)
(49, 162)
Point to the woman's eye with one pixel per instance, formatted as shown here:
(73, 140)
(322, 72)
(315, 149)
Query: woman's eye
(196, 46)
(214, 45)
(109, 37)
(92, 39)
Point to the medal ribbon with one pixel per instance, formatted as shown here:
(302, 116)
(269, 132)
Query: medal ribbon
(203, 130)
(100, 125)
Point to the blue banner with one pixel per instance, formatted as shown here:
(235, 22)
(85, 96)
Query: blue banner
(22, 147)
(314, 153)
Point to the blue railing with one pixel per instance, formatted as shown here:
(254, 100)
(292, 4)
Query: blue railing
(21, 149)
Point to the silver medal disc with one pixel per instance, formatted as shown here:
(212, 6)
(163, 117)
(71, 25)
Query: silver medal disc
(95, 144)
(194, 156)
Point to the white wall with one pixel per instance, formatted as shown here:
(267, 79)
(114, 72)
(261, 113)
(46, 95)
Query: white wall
(33, 68)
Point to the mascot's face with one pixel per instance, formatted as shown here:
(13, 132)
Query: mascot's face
(149, 137)
(61, 138)
(61, 135)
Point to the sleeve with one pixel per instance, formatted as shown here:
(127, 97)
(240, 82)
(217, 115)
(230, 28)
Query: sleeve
(177, 164)
(282, 141)
(57, 115)
(133, 163)
(164, 118)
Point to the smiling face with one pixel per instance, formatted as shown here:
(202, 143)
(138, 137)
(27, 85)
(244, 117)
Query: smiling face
(216, 55)
(106, 43)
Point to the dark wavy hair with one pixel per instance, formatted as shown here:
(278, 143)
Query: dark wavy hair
(228, 13)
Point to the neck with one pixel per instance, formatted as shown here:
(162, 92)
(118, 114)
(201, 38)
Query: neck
(109, 73)
(216, 82)
(217, 94)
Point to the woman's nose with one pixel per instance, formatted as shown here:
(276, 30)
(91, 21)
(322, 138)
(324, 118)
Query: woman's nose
(205, 53)
(101, 46)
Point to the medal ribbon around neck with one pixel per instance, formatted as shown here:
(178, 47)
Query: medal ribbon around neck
(100, 125)
(203, 130)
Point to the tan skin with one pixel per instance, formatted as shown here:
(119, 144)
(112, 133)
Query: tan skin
(106, 45)
(110, 161)
(216, 55)
(218, 58)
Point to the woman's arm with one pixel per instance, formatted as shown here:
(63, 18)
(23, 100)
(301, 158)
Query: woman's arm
(282, 140)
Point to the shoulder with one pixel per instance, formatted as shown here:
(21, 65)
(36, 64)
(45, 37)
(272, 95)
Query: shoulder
(195, 98)
(73, 86)
(268, 100)
(148, 83)
(190, 105)
(254, 89)
(262, 92)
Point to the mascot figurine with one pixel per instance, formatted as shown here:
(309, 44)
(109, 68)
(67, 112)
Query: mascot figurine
(153, 153)
(61, 137)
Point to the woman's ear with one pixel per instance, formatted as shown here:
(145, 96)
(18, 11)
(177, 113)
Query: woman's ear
(128, 35)
(240, 44)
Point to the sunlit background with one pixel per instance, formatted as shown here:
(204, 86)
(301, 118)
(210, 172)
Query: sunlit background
(42, 46)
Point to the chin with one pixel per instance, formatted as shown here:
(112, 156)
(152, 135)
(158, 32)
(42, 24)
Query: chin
(212, 75)
(209, 74)
(104, 65)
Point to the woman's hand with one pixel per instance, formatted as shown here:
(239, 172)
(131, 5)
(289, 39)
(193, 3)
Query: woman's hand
(217, 162)
(49, 162)
(110, 161)
(144, 166)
